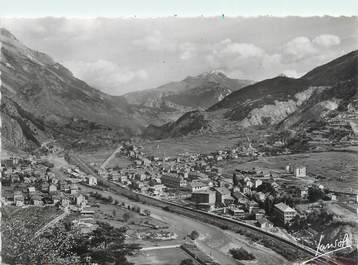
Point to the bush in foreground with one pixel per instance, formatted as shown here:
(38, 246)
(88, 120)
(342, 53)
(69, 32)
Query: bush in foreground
(194, 235)
(187, 262)
(241, 254)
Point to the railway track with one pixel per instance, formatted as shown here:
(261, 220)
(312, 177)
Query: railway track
(116, 188)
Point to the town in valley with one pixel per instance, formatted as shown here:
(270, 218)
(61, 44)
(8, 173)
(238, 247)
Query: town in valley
(210, 170)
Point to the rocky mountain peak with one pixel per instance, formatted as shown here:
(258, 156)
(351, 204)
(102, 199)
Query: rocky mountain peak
(7, 34)
(210, 76)
(11, 44)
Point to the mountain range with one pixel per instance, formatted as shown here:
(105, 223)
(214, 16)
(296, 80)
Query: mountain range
(42, 100)
(193, 93)
(321, 97)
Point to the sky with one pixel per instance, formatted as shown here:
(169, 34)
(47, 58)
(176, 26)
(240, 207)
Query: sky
(155, 8)
(120, 55)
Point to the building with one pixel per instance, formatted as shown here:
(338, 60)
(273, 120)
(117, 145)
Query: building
(146, 162)
(198, 186)
(91, 180)
(264, 223)
(246, 190)
(173, 181)
(258, 182)
(299, 171)
(44, 187)
(236, 211)
(260, 214)
(204, 199)
(217, 170)
(284, 213)
(79, 199)
(332, 196)
(140, 177)
(19, 198)
(260, 196)
(56, 198)
(156, 189)
(197, 175)
(31, 190)
(253, 207)
(138, 185)
(65, 202)
(73, 189)
(36, 200)
(304, 192)
(52, 188)
(10, 162)
(223, 196)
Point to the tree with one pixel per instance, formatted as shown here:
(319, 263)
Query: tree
(127, 216)
(137, 209)
(194, 235)
(241, 254)
(110, 199)
(315, 194)
(269, 204)
(187, 262)
(104, 245)
(298, 223)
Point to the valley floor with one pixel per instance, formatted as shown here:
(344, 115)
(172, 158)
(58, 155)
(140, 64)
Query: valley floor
(214, 241)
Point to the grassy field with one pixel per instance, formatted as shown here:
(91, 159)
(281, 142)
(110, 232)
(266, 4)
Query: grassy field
(171, 256)
(191, 144)
(97, 156)
(331, 165)
(119, 161)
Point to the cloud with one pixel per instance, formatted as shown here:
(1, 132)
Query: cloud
(237, 59)
(301, 48)
(298, 48)
(119, 55)
(155, 42)
(105, 74)
(244, 50)
(292, 73)
(188, 51)
(327, 40)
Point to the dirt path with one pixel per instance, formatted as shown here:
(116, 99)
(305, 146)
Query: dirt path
(104, 164)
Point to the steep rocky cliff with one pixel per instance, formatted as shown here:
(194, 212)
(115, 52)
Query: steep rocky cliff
(40, 96)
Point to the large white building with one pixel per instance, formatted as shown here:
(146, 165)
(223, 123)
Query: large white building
(284, 213)
(297, 170)
(91, 180)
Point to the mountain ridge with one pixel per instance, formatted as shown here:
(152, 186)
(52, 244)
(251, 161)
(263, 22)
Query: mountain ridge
(322, 95)
(212, 84)
(32, 82)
